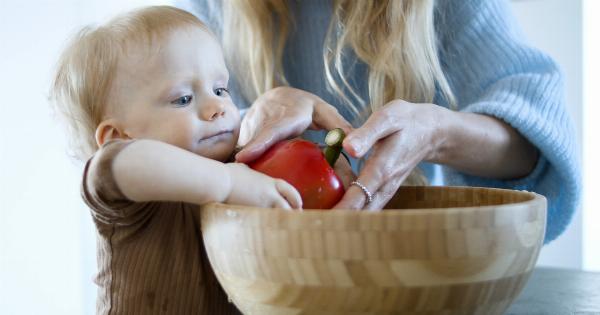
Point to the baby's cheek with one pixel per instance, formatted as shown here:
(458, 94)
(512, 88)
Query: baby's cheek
(181, 136)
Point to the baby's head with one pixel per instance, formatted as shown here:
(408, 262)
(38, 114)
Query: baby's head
(154, 73)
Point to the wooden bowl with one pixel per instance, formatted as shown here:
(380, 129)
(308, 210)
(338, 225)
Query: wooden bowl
(442, 250)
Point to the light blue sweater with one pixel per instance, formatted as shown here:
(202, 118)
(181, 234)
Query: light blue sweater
(492, 71)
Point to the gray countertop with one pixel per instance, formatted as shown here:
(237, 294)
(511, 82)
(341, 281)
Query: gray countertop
(559, 292)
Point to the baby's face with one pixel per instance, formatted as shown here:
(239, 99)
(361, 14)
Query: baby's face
(177, 93)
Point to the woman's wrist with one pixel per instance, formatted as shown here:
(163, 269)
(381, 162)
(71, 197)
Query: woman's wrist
(444, 135)
(483, 146)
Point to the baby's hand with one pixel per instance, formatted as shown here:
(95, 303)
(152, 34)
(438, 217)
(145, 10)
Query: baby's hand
(249, 187)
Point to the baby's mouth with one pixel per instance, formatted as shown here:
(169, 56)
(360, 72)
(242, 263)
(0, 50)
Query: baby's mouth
(218, 136)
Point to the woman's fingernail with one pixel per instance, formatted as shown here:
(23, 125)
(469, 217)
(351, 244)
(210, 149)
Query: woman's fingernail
(356, 146)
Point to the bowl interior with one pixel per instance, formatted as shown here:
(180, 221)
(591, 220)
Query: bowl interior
(435, 197)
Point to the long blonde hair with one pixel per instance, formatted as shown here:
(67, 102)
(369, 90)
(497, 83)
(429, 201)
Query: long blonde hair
(394, 38)
(86, 68)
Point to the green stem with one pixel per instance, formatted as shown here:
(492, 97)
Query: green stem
(333, 140)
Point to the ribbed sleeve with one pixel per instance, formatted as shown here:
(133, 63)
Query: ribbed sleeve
(494, 72)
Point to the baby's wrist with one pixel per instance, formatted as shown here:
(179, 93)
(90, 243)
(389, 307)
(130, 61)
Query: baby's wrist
(228, 182)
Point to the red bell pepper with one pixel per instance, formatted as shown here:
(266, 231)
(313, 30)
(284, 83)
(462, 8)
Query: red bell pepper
(302, 164)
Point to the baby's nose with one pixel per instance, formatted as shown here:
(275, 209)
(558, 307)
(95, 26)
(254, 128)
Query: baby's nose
(212, 111)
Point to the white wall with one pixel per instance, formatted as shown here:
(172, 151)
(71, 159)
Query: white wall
(47, 254)
(591, 145)
(555, 27)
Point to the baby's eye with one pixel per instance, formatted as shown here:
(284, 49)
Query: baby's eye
(182, 101)
(221, 91)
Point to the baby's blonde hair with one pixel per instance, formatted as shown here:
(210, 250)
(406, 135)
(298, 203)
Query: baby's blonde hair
(87, 66)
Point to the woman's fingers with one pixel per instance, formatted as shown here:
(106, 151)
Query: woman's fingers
(265, 134)
(249, 126)
(282, 113)
(355, 198)
(385, 193)
(402, 135)
(343, 169)
(258, 145)
(385, 170)
(380, 125)
(327, 117)
(372, 177)
(268, 135)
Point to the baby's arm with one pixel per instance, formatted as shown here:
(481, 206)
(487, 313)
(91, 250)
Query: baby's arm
(149, 170)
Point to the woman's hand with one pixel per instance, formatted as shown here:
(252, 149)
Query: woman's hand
(249, 187)
(401, 135)
(343, 169)
(282, 113)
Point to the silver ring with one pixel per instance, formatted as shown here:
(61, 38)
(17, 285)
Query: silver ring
(365, 190)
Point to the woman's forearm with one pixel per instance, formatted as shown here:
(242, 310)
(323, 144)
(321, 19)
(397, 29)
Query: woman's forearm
(484, 146)
(149, 170)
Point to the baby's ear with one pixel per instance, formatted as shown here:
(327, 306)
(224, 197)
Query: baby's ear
(108, 130)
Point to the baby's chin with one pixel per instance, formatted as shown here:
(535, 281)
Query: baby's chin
(223, 151)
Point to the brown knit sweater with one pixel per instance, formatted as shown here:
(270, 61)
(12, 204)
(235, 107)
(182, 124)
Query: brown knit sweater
(151, 258)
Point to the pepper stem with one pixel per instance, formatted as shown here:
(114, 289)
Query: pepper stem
(333, 140)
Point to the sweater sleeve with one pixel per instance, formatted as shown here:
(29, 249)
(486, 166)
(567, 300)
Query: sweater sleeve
(494, 72)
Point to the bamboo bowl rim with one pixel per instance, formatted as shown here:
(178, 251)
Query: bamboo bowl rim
(529, 199)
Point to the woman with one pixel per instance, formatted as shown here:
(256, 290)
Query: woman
(424, 82)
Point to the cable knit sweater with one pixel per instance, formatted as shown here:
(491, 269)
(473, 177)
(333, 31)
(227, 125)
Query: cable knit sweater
(492, 71)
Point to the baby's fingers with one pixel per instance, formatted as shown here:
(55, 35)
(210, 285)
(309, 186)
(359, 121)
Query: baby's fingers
(281, 203)
(289, 193)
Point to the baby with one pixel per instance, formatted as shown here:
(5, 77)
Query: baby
(146, 99)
